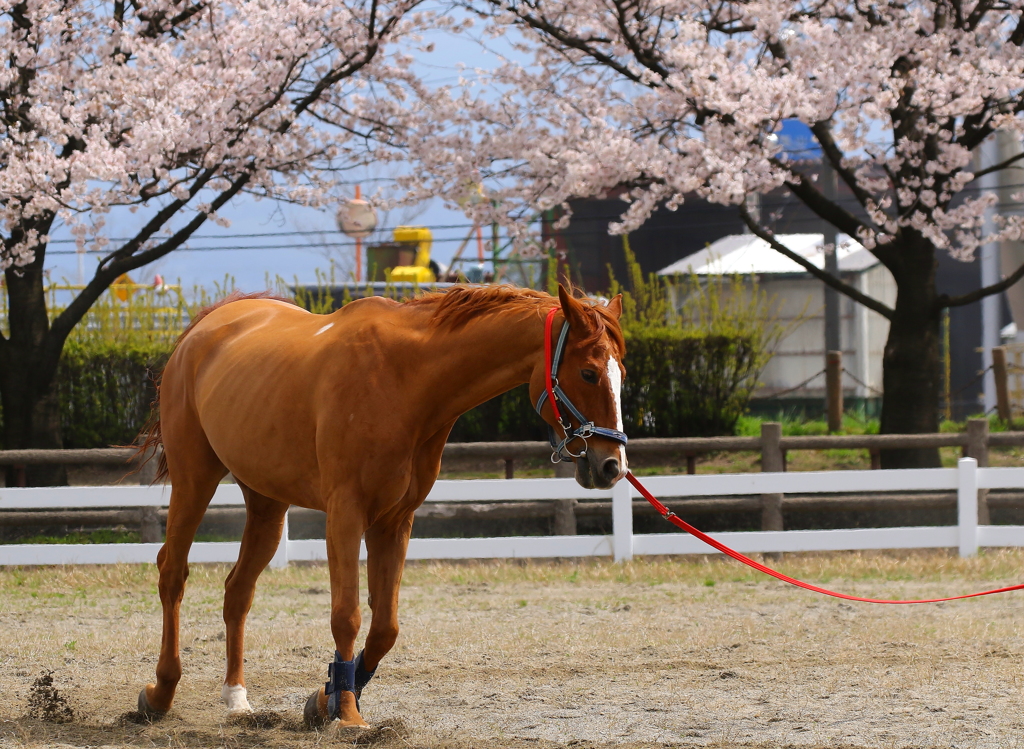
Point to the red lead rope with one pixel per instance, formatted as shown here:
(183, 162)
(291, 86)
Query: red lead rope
(700, 535)
(680, 523)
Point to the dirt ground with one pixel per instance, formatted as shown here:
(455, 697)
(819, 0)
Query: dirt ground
(663, 652)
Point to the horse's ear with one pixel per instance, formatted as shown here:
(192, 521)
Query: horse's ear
(572, 309)
(615, 306)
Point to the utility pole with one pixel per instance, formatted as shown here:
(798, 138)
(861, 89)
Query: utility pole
(988, 255)
(829, 187)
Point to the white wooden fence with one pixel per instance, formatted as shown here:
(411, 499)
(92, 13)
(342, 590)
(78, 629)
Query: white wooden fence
(966, 479)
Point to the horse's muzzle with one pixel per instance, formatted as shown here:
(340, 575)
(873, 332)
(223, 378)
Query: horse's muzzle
(597, 470)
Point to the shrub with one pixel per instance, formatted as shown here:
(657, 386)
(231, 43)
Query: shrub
(106, 389)
(686, 384)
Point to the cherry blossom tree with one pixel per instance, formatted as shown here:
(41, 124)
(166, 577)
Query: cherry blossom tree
(170, 108)
(670, 97)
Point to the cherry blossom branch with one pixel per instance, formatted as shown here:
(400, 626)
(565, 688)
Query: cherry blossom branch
(827, 278)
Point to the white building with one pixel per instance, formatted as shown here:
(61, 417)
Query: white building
(798, 302)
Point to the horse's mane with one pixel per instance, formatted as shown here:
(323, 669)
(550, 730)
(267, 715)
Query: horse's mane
(458, 305)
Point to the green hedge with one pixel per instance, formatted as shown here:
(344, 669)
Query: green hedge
(682, 384)
(679, 384)
(106, 389)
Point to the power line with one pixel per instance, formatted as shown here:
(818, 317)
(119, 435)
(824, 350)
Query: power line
(849, 200)
(574, 227)
(580, 225)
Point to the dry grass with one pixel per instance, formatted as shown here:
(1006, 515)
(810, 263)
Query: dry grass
(657, 652)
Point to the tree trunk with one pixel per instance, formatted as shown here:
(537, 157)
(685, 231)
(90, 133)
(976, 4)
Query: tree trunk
(911, 362)
(31, 411)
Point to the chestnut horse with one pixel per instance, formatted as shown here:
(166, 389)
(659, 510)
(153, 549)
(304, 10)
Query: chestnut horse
(348, 413)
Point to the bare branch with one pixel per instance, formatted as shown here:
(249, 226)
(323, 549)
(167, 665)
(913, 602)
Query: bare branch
(978, 294)
(830, 280)
(997, 167)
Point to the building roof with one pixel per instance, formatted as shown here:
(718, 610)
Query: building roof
(747, 253)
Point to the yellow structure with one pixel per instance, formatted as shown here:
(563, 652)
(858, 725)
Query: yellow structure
(419, 272)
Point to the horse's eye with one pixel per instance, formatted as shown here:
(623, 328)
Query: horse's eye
(589, 375)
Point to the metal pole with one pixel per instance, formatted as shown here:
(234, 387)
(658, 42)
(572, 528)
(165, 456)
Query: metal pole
(833, 336)
(989, 256)
(359, 245)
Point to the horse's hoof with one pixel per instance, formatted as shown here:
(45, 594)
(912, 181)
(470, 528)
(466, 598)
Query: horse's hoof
(340, 731)
(235, 697)
(146, 710)
(312, 715)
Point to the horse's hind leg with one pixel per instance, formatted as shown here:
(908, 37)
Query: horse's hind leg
(195, 472)
(264, 524)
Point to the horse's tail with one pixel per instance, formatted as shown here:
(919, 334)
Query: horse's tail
(150, 439)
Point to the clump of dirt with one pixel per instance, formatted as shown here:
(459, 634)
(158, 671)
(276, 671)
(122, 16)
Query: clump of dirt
(135, 718)
(46, 703)
(384, 733)
(259, 719)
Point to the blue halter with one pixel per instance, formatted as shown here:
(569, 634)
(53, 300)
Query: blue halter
(560, 450)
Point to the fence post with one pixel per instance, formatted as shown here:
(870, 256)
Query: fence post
(149, 526)
(1002, 391)
(622, 521)
(565, 517)
(834, 389)
(967, 506)
(510, 468)
(977, 448)
(280, 558)
(771, 461)
(566, 469)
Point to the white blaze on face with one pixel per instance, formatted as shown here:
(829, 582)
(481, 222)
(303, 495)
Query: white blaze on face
(615, 380)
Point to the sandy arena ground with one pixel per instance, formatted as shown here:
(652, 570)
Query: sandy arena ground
(694, 652)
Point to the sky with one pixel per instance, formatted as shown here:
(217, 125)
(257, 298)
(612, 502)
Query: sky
(296, 241)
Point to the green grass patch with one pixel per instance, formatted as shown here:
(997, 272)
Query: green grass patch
(84, 537)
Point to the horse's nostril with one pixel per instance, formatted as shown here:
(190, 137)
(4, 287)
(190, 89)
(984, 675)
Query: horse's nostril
(610, 468)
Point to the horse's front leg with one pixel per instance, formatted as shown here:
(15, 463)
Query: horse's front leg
(337, 700)
(386, 545)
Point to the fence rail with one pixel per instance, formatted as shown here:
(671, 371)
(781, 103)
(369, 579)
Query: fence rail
(967, 480)
(975, 443)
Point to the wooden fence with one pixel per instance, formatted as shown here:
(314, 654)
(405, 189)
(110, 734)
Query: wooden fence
(967, 535)
(772, 446)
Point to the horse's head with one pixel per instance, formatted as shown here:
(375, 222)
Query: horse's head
(589, 382)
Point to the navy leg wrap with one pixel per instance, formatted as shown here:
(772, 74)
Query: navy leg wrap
(362, 676)
(342, 675)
